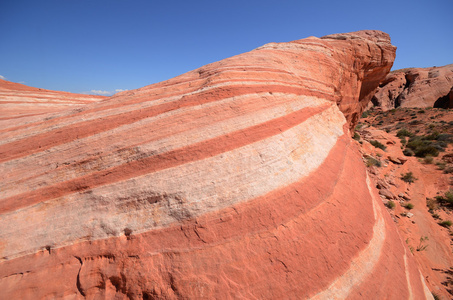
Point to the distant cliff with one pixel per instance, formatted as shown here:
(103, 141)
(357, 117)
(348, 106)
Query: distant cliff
(416, 87)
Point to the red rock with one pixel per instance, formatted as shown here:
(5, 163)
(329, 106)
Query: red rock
(381, 184)
(387, 194)
(394, 160)
(21, 101)
(235, 180)
(416, 87)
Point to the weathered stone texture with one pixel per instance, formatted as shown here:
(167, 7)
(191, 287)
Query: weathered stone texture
(416, 87)
(235, 180)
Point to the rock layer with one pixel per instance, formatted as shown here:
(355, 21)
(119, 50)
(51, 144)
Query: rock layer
(20, 104)
(416, 87)
(233, 180)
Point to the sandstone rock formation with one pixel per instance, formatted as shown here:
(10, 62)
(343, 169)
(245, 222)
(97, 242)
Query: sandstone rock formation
(416, 87)
(235, 180)
(29, 103)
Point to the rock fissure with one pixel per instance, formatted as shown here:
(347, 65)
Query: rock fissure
(78, 284)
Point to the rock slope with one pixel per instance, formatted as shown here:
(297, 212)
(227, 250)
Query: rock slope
(24, 102)
(416, 87)
(235, 180)
(415, 209)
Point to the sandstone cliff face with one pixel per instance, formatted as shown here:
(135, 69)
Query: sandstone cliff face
(416, 87)
(235, 180)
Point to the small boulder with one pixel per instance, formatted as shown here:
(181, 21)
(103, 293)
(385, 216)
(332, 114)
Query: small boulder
(381, 184)
(402, 159)
(395, 160)
(387, 194)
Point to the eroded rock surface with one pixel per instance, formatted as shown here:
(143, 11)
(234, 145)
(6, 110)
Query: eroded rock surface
(416, 87)
(235, 180)
(18, 101)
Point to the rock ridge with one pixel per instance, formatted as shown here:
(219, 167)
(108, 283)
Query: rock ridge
(21, 101)
(232, 180)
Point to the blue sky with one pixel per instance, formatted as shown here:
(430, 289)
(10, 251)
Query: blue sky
(83, 46)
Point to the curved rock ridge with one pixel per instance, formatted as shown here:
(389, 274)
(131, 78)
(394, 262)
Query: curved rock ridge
(235, 180)
(25, 102)
(416, 87)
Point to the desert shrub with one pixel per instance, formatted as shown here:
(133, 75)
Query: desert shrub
(415, 122)
(421, 111)
(409, 206)
(365, 114)
(378, 144)
(403, 133)
(435, 216)
(431, 204)
(408, 152)
(448, 197)
(428, 159)
(441, 200)
(446, 223)
(408, 177)
(390, 204)
(432, 136)
(370, 161)
(440, 145)
(441, 165)
(421, 246)
(445, 137)
(448, 170)
(356, 136)
(416, 141)
(422, 147)
(426, 150)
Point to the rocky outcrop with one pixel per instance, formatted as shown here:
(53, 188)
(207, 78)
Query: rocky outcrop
(235, 180)
(29, 103)
(416, 87)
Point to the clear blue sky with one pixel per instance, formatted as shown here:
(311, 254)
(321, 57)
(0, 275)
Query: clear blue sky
(107, 45)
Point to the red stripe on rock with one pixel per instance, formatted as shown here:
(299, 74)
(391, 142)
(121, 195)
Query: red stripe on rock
(166, 160)
(41, 142)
